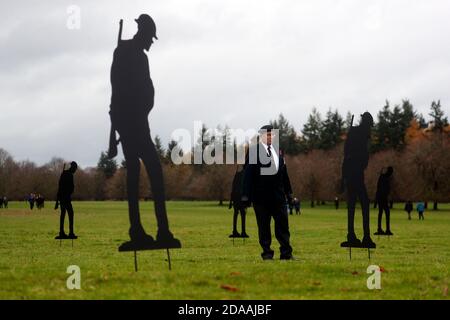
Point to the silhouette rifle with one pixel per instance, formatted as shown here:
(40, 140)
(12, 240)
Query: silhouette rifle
(113, 141)
(342, 186)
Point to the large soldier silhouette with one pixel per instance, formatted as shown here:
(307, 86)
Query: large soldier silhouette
(383, 190)
(131, 102)
(356, 158)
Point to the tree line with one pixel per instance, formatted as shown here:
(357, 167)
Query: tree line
(417, 149)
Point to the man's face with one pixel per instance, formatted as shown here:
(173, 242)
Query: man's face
(266, 137)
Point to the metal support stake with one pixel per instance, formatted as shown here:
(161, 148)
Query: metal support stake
(168, 258)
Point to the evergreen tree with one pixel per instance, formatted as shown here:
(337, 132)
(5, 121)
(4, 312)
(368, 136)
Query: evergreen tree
(288, 139)
(438, 116)
(106, 165)
(203, 141)
(332, 130)
(382, 129)
(396, 130)
(159, 148)
(408, 113)
(172, 144)
(312, 130)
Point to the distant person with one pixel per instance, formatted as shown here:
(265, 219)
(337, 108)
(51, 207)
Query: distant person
(132, 100)
(237, 205)
(5, 202)
(40, 201)
(31, 200)
(336, 203)
(290, 207)
(409, 208)
(356, 159)
(420, 209)
(266, 184)
(1, 202)
(64, 200)
(383, 190)
(296, 203)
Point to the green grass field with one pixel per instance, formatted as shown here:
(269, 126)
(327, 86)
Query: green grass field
(33, 265)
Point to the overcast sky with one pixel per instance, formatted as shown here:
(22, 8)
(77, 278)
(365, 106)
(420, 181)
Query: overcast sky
(234, 62)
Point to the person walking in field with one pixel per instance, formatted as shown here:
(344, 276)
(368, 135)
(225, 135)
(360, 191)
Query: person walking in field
(420, 209)
(336, 203)
(409, 208)
(31, 199)
(296, 203)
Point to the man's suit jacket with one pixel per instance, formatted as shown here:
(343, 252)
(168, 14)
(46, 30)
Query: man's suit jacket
(265, 189)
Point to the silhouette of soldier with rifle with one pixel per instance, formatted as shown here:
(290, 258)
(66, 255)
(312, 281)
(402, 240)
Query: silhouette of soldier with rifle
(132, 100)
(383, 190)
(64, 200)
(356, 158)
(237, 205)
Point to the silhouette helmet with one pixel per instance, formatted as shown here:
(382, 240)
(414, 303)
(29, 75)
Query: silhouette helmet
(366, 117)
(146, 25)
(73, 165)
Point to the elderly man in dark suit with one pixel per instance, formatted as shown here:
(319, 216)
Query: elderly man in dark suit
(266, 184)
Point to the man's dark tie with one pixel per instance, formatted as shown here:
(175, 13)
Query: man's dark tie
(269, 151)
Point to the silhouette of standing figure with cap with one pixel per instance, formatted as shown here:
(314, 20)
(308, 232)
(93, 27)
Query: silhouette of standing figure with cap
(64, 200)
(237, 205)
(383, 189)
(132, 100)
(356, 159)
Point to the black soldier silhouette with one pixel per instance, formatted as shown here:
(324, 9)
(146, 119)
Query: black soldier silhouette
(383, 190)
(64, 200)
(132, 100)
(237, 205)
(356, 158)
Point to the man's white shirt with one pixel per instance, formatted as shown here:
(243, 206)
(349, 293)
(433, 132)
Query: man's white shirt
(276, 159)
